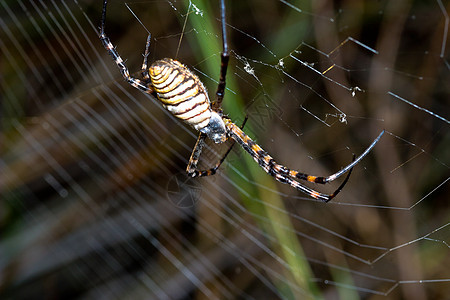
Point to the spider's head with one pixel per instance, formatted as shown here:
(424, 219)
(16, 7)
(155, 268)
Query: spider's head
(215, 130)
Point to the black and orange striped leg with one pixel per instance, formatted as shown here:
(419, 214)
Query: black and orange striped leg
(323, 180)
(286, 175)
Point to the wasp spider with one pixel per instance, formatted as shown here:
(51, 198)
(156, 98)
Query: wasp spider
(182, 93)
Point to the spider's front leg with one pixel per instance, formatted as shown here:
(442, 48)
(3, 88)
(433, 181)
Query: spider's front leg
(192, 169)
(288, 176)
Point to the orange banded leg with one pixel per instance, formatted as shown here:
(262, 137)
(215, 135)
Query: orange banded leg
(311, 178)
(286, 175)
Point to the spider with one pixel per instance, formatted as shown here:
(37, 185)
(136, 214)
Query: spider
(183, 94)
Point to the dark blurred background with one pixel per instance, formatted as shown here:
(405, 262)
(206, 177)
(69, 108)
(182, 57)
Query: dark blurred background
(94, 201)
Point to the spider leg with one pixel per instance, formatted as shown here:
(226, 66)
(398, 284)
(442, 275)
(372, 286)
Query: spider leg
(286, 175)
(317, 195)
(192, 169)
(137, 83)
(323, 180)
(224, 58)
(144, 68)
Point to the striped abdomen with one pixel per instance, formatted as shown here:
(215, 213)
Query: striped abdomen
(181, 92)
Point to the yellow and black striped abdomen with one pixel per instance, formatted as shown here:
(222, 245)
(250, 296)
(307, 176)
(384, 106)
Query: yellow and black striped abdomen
(181, 92)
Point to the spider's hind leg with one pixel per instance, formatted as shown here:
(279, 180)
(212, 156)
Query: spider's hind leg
(142, 85)
(144, 69)
(224, 58)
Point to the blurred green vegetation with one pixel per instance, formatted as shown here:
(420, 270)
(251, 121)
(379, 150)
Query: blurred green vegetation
(88, 208)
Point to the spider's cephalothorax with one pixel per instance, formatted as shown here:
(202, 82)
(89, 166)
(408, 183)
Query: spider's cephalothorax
(183, 94)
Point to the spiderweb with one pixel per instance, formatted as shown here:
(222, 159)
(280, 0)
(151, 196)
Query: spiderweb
(94, 200)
